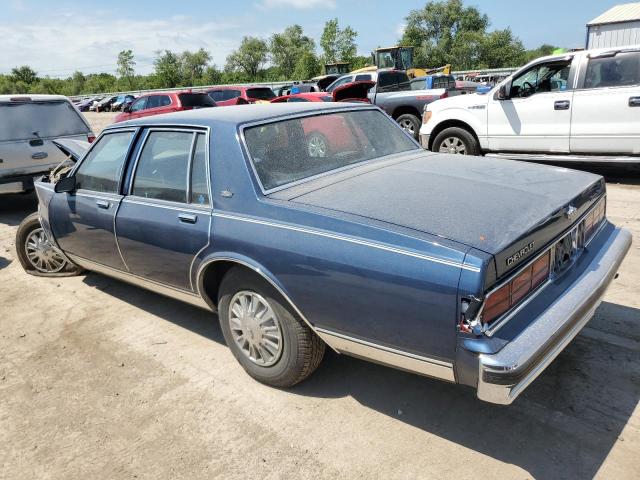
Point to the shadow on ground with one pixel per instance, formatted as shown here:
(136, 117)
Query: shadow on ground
(563, 426)
(15, 207)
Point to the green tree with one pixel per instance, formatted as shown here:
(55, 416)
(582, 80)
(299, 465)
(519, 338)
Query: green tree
(126, 67)
(249, 58)
(167, 69)
(288, 47)
(338, 45)
(78, 82)
(542, 51)
(502, 49)
(308, 66)
(194, 65)
(212, 76)
(434, 28)
(24, 74)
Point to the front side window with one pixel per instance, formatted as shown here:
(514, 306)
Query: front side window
(163, 166)
(339, 82)
(139, 104)
(101, 170)
(621, 70)
(543, 78)
(287, 151)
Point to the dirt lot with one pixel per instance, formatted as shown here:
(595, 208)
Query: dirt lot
(99, 379)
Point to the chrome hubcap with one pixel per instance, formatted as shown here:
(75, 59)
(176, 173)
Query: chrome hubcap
(317, 147)
(407, 126)
(41, 253)
(255, 328)
(453, 145)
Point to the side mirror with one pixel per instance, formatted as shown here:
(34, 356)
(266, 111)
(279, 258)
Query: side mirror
(504, 91)
(127, 108)
(65, 185)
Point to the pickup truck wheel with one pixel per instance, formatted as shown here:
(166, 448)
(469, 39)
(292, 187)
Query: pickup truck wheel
(36, 253)
(410, 124)
(457, 141)
(263, 332)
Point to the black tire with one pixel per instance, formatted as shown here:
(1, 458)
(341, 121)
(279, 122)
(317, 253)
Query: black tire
(26, 228)
(466, 138)
(301, 349)
(410, 124)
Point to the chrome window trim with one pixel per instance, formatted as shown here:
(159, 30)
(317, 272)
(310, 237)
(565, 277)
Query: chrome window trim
(509, 314)
(345, 238)
(313, 113)
(166, 204)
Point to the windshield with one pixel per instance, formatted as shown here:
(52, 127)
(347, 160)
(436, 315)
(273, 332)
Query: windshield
(28, 120)
(261, 93)
(291, 150)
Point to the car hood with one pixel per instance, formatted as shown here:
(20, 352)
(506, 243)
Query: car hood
(72, 147)
(458, 101)
(485, 203)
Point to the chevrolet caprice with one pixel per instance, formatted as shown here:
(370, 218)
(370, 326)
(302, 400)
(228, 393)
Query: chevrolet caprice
(478, 272)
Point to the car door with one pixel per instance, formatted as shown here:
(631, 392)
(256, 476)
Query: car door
(164, 220)
(157, 104)
(82, 221)
(606, 106)
(535, 115)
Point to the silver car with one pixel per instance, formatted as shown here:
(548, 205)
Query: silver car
(28, 126)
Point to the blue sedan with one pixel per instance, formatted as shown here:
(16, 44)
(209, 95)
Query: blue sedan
(306, 226)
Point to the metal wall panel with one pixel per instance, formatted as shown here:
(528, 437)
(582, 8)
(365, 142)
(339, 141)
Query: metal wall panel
(613, 35)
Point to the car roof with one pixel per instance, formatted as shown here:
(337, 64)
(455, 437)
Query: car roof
(236, 87)
(237, 115)
(35, 98)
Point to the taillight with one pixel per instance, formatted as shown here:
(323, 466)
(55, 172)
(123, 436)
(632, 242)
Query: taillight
(445, 94)
(509, 295)
(594, 219)
(90, 137)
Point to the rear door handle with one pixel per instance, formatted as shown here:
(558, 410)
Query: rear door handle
(634, 102)
(103, 204)
(39, 155)
(188, 218)
(562, 105)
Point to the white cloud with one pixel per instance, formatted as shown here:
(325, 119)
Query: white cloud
(299, 4)
(400, 29)
(59, 44)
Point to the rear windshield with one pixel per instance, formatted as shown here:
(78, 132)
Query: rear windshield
(223, 95)
(28, 120)
(261, 93)
(287, 151)
(196, 100)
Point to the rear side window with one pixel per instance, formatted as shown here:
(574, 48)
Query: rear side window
(199, 184)
(418, 84)
(362, 77)
(19, 120)
(163, 165)
(297, 99)
(620, 70)
(261, 93)
(101, 170)
(156, 101)
(195, 100)
(222, 95)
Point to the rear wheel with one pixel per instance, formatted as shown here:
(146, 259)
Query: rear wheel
(36, 253)
(456, 141)
(410, 124)
(264, 334)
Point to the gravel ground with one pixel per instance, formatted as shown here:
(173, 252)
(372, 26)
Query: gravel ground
(99, 379)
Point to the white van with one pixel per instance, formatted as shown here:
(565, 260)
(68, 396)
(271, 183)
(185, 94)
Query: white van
(28, 125)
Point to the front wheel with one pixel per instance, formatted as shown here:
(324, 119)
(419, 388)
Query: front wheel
(36, 253)
(269, 340)
(410, 124)
(456, 141)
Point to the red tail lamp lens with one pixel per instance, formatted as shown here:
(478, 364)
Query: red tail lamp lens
(512, 293)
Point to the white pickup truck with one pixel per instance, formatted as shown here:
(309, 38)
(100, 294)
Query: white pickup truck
(580, 106)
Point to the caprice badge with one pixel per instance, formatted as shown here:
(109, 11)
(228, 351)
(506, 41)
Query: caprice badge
(520, 254)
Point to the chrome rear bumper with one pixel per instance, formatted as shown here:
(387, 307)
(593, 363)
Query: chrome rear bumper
(505, 374)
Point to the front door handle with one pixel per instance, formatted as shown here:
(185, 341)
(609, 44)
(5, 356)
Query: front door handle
(634, 102)
(188, 218)
(562, 105)
(103, 204)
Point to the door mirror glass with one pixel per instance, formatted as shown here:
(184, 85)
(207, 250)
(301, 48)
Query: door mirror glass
(503, 93)
(65, 185)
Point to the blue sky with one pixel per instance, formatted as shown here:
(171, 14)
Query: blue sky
(59, 37)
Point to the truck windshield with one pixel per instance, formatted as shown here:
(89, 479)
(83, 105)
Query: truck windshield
(288, 151)
(28, 120)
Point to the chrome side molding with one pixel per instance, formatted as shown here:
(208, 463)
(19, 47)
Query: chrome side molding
(388, 356)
